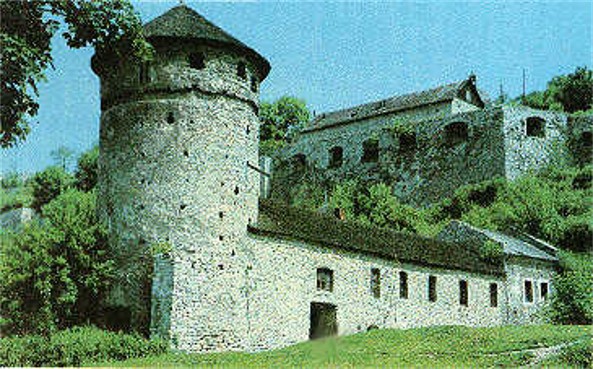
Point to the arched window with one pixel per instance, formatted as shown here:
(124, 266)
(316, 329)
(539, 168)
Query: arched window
(456, 133)
(370, 151)
(335, 157)
(535, 127)
(197, 60)
(144, 73)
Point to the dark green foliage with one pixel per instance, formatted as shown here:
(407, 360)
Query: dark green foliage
(570, 93)
(491, 251)
(572, 302)
(75, 347)
(25, 40)
(55, 272)
(49, 184)
(86, 173)
(280, 121)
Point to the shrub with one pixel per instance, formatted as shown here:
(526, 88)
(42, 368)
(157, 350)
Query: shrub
(55, 272)
(75, 347)
(579, 354)
(48, 185)
(491, 250)
(572, 302)
(86, 172)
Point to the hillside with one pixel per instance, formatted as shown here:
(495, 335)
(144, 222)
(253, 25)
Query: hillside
(433, 347)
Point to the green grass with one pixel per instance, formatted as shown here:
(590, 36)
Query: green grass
(433, 347)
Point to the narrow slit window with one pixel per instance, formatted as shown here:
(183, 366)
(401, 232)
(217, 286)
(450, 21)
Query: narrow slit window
(403, 285)
(543, 290)
(528, 291)
(493, 295)
(376, 282)
(242, 70)
(253, 84)
(325, 279)
(432, 288)
(144, 73)
(463, 293)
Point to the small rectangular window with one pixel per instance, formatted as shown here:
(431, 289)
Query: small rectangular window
(493, 295)
(528, 291)
(325, 279)
(432, 288)
(403, 285)
(376, 282)
(463, 293)
(335, 157)
(535, 127)
(543, 289)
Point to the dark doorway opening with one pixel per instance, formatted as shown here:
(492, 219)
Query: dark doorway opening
(323, 320)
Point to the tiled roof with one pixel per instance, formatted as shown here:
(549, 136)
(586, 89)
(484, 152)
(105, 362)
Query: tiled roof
(403, 102)
(527, 247)
(185, 23)
(279, 220)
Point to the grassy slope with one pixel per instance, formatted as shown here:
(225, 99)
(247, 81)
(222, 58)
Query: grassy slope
(433, 347)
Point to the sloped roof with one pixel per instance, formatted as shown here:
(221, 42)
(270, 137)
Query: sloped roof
(397, 103)
(182, 22)
(298, 224)
(527, 247)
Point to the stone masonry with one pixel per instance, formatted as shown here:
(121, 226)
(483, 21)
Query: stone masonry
(206, 264)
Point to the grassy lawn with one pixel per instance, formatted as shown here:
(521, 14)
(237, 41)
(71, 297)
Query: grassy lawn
(433, 347)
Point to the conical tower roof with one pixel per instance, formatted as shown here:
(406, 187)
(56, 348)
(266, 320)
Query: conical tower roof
(182, 22)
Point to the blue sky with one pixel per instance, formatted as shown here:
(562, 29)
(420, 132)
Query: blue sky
(334, 55)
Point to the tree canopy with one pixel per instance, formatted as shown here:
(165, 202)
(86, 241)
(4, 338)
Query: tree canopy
(26, 31)
(570, 93)
(280, 121)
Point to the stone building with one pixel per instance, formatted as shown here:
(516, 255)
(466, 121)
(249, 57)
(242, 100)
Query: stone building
(207, 265)
(427, 144)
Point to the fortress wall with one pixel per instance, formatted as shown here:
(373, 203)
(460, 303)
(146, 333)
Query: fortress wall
(524, 153)
(316, 144)
(281, 285)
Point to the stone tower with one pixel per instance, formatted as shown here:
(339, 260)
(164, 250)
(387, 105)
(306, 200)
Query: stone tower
(177, 185)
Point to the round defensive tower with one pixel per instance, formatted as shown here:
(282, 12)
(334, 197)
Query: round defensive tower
(178, 144)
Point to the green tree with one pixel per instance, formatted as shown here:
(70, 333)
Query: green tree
(26, 30)
(49, 184)
(574, 92)
(280, 121)
(86, 173)
(572, 302)
(570, 93)
(55, 272)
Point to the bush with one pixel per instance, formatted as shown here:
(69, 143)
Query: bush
(580, 354)
(75, 347)
(572, 302)
(87, 171)
(48, 185)
(55, 272)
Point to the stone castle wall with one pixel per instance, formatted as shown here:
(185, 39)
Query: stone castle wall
(281, 284)
(496, 145)
(174, 178)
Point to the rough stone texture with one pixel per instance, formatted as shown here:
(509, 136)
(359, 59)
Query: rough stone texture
(496, 146)
(179, 184)
(174, 172)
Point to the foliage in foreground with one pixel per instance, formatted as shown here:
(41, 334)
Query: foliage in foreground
(430, 347)
(74, 347)
(55, 271)
(572, 302)
(26, 31)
